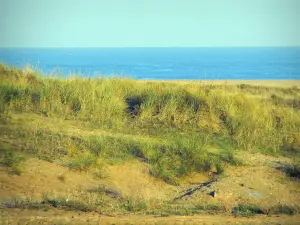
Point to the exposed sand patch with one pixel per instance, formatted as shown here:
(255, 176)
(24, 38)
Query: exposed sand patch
(259, 182)
(133, 180)
(41, 177)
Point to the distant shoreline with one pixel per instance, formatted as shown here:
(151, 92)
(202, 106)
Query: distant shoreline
(268, 83)
(141, 47)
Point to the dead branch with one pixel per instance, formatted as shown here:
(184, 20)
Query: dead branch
(190, 191)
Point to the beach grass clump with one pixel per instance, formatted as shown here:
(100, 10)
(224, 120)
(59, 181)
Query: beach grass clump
(82, 162)
(247, 210)
(211, 208)
(133, 205)
(283, 209)
(11, 160)
(65, 203)
(23, 203)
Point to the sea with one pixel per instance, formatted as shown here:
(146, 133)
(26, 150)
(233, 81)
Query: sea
(199, 63)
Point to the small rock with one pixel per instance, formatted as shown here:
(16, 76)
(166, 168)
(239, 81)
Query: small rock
(213, 193)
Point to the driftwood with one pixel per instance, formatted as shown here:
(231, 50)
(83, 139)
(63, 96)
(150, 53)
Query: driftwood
(191, 191)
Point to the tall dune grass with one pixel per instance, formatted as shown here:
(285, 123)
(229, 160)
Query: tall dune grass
(184, 120)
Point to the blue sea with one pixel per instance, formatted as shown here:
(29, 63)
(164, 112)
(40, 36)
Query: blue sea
(161, 63)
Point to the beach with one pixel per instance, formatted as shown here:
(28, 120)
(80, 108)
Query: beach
(265, 83)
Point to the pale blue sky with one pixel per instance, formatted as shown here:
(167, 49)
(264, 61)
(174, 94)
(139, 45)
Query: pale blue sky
(148, 23)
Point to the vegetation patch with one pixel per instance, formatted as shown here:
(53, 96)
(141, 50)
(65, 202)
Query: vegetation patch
(68, 204)
(25, 203)
(11, 160)
(211, 208)
(133, 205)
(284, 209)
(175, 130)
(245, 210)
(82, 162)
(292, 170)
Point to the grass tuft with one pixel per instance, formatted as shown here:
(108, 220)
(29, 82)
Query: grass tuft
(82, 162)
(244, 210)
(13, 162)
(284, 209)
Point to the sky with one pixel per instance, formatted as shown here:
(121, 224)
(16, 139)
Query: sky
(149, 23)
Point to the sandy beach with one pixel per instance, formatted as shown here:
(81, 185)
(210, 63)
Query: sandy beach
(266, 83)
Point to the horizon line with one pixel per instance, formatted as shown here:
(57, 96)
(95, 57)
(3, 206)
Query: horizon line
(68, 47)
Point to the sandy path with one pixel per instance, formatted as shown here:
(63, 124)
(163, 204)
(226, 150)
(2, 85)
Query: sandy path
(21, 216)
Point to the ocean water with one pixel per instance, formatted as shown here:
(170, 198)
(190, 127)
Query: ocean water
(162, 63)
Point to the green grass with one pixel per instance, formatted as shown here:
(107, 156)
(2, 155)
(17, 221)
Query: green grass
(23, 203)
(247, 210)
(11, 160)
(82, 162)
(132, 205)
(244, 210)
(97, 204)
(47, 202)
(211, 208)
(69, 204)
(284, 209)
(171, 127)
(188, 209)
